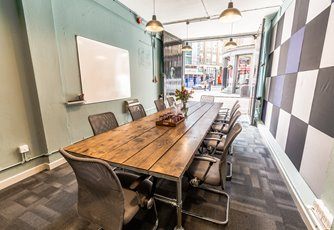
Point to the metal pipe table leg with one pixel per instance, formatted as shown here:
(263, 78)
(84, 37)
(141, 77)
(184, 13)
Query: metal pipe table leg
(229, 176)
(179, 205)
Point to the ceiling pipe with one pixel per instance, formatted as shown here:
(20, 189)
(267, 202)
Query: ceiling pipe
(228, 36)
(214, 17)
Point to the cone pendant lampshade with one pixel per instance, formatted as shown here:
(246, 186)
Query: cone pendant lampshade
(230, 15)
(231, 44)
(154, 25)
(186, 47)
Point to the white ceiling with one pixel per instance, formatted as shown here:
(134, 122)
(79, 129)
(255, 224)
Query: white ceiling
(173, 10)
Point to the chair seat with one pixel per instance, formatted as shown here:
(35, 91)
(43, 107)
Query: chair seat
(217, 126)
(131, 205)
(126, 179)
(212, 143)
(199, 167)
(224, 128)
(221, 117)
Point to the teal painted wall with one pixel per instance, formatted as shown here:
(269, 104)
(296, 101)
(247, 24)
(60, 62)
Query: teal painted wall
(51, 73)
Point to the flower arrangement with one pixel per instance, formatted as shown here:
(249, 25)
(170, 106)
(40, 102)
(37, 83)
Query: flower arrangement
(183, 95)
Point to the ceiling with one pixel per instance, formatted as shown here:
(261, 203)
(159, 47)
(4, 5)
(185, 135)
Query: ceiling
(174, 10)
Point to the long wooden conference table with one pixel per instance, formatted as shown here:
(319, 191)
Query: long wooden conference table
(159, 151)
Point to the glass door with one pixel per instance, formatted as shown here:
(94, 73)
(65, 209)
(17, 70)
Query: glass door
(173, 63)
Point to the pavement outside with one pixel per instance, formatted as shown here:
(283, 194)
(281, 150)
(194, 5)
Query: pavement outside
(227, 98)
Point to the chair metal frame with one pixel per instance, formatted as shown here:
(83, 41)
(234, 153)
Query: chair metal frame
(198, 183)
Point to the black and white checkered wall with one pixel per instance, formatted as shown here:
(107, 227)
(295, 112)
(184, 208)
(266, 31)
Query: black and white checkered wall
(299, 99)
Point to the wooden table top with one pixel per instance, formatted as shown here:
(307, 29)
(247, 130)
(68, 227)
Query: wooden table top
(165, 152)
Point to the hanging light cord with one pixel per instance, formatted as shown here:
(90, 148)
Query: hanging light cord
(154, 7)
(187, 29)
(231, 28)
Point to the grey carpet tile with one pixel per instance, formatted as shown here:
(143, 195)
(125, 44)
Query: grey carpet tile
(259, 197)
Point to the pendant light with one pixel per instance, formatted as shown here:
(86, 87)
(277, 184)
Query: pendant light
(231, 44)
(230, 14)
(186, 47)
(154, 25)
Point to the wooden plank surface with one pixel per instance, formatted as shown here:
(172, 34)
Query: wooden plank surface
(177, 159)
(142, 146)
(121, 135)
(147, 157)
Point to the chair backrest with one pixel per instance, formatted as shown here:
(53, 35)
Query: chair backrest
(236, 103)
(207, 98)
(160, 104)
(170, 101)
(233, 119)
(234, 132)
(137, 111)
(234, 110)
(100, 194)
(102, 122)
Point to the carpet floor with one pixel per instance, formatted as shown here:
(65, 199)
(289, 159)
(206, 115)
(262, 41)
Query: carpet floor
(259, 197)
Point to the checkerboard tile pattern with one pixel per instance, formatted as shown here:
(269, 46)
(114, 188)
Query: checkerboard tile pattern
(299, 92)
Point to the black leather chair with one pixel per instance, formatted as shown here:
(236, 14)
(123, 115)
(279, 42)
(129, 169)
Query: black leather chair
(171, 101)
(215, 144)
(160, 105)
(212, 171)
(102, 122)
(137, 111)
(207, 98)
(225, 126)
(107, 198)
(226, 113)
(226, 116)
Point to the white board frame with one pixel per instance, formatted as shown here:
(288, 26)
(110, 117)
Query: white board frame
(104, 71)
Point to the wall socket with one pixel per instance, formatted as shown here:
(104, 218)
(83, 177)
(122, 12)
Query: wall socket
(23, 149)
(322, 214)
(25, 152)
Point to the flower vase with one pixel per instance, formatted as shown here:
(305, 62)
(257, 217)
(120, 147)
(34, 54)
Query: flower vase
(184, 108)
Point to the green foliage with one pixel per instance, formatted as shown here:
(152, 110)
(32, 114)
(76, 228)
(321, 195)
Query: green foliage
(183, 94)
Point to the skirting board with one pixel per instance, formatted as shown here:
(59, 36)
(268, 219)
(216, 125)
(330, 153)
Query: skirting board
(30, 172)
(295, 188)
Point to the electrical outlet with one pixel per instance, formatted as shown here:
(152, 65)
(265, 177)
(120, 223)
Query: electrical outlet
(322, 214)
(23, 149)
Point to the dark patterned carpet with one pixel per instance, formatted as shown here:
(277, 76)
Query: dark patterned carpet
(259, 197)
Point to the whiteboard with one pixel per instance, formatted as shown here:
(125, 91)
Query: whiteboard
(104, 71)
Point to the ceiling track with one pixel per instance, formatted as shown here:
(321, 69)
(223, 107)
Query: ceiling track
(220, 37)
(214, 17)
(205, 9)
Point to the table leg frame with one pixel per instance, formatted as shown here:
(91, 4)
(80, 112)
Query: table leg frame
(179, 205)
